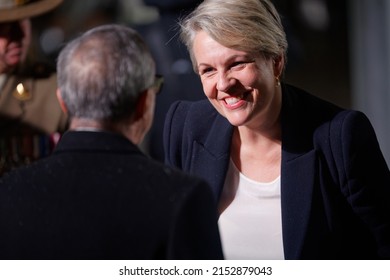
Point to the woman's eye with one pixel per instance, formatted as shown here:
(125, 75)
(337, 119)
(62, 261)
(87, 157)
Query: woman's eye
(238, 64)
(205, 70)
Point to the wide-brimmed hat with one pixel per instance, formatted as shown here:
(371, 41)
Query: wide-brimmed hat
(11, 10)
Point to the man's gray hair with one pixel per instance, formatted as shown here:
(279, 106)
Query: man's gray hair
(102, 73)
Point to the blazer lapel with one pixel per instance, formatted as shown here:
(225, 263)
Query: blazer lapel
(297, 181)
(297, 174)
(210, 158)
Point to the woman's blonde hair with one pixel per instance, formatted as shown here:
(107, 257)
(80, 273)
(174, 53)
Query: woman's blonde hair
(252, 26)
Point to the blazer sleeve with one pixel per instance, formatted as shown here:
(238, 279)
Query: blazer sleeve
(363, 174)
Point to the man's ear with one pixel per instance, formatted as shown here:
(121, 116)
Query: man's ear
(141, 106)
(61, 101)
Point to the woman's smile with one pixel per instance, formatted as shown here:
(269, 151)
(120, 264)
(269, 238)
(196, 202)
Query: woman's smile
(234, 102)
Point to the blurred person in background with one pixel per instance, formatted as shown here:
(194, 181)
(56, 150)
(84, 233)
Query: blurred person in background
(296, 177)
(30, 116)
(98, 196)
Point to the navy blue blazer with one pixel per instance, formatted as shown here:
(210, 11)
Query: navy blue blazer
(335, 183)
(99, 197)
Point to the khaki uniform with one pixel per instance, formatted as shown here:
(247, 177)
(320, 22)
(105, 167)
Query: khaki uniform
(30, 128)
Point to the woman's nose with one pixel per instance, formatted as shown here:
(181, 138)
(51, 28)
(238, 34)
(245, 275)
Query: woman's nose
(225, 82)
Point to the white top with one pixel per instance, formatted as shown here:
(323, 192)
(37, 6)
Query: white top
(251, 226)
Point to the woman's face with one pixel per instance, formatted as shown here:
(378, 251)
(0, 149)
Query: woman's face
(15, 39)
(242, 87)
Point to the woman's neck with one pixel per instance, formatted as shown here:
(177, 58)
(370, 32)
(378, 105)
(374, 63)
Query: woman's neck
(257, 154)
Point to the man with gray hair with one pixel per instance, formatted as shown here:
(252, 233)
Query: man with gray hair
(98, 196)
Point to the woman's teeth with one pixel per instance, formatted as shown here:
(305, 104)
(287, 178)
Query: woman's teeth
(233, 100)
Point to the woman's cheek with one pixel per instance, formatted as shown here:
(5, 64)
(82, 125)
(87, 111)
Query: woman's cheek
(208, 89)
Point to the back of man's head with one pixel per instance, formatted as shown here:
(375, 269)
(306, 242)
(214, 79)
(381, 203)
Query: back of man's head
(102, 73)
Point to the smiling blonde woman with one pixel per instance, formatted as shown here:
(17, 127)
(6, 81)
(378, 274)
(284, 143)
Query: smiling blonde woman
(296, 177)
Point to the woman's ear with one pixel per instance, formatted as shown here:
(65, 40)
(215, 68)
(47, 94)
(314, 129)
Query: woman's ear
(61, 101)
(278, 65)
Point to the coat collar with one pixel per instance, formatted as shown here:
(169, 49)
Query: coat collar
(92, 141)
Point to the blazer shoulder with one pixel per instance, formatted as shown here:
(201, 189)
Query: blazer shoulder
(351, 126)
(351, 130)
